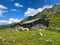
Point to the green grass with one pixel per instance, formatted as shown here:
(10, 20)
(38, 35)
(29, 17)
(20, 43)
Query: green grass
(9, 37)
(55, 21)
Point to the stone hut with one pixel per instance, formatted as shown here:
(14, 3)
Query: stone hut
(36, 24)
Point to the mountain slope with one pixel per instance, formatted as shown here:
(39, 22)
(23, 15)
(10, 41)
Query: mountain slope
(52, 15)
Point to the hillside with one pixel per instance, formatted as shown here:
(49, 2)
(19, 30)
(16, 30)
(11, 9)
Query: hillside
(9, 36)
(52, 15)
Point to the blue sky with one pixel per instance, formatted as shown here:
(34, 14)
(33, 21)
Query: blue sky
(16, 10)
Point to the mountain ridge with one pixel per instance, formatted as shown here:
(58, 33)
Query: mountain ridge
(48, 15)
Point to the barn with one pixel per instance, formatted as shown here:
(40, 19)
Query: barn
(33, 24)
(36, 24)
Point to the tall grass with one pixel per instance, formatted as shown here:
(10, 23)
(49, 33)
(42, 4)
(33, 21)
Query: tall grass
(33, 37)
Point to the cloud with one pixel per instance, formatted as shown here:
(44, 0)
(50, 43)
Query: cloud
(2, 12)
(1, 15)
(18, 5)
(32, 12)
(10, 21)
(3, 7)
(48, 6)
(3, 22)
(13, 10)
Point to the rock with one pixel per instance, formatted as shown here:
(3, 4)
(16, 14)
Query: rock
(40, 33)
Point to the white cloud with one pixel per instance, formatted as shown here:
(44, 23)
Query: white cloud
(3, 22)
(32, 12)
(3, 7)
(0, 14)
(2, 10)
(10, 21)
(18, 5)
(13, 10)
(48, 6)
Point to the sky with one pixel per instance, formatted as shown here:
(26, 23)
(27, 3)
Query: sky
(13, 11)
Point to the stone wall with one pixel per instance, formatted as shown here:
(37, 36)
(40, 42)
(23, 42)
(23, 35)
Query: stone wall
(39, 26)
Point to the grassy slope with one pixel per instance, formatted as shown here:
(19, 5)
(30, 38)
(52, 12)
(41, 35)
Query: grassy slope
(55, 21)
(9, 37)
(52, 15)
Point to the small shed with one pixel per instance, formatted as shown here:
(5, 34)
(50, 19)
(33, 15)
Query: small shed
(36, 24)
(33, 24)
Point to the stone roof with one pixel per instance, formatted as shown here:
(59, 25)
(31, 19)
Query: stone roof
(31, 21)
